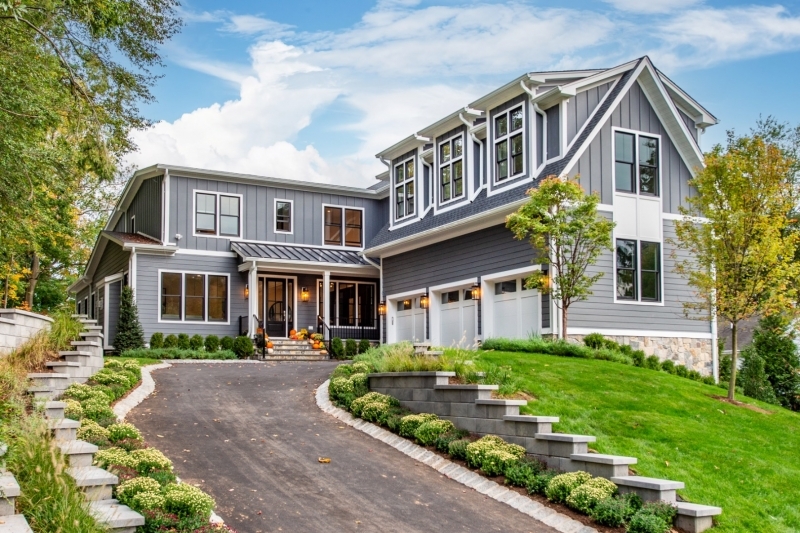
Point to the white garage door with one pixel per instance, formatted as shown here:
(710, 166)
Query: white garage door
(457, 318)
(516, 310)
(410, 320)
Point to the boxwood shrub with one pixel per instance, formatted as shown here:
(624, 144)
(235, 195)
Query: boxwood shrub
(226, 343)
(170, 341)
(211, 343)
(410, 423)
(183, 341)
(243, 347)
(196, 342)
(157, 340)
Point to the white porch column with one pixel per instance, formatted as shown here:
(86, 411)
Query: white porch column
(252, 300)
(326, 297)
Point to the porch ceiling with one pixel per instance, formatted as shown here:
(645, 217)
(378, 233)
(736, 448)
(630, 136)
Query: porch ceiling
(283, 252)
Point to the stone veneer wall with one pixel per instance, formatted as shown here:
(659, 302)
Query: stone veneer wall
(694, 354)
(17, 326)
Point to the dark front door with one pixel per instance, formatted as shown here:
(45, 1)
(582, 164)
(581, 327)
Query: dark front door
(276, 308)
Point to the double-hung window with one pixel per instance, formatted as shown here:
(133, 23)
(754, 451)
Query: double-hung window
(636, 163)
(343, 226)
(283, 216)
(638, 270)
(195, 297)
(451, 168)
(217, 214)
(404, 189)
(509, 145)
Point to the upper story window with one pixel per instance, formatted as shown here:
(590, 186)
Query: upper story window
(636, 163)
(509, 145)
(283, 216)
(404, 189)
(343, 226)
(217, 214)
(451, 168)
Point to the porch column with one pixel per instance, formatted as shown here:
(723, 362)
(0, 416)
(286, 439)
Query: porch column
(252, 300)
(326, 297)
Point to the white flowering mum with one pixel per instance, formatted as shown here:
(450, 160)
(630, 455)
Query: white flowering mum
(561, 486)
(127, 490)
(585, 497)
(78, 391)
(186, 500)
(410, 423)
(147, 500)
(150, 459)
(114, 456)
(73, 409)
(370, 397)
(118, 432)
(91, 431)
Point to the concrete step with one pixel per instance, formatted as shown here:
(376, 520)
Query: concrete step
(92, 327)
(422, 345)
(64, 429)
(54, 410)
(14, 524)
(530, 425)
(79, 316)
(432, 353)
(54, 380)
(297, 352)
(9, 492)
(78, 452)
(95, 482)
(649, 489)
(116, 517)
(565, 444)
(90, 335)
(602, 465)
(81, 344)
(73, 369)
(694, 518)
(278, 357)
(43, 393)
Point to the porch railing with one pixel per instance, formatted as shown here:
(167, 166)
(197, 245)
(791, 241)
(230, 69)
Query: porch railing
(364, 330)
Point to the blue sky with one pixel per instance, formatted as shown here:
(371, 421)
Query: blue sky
(313, 89)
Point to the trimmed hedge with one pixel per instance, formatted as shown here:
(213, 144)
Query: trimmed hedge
(176, 353)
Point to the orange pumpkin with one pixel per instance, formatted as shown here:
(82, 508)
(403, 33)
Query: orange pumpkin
(316, 346)
(270, 345)
(293, 333)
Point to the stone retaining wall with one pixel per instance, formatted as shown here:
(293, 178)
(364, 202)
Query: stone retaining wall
(17, 326)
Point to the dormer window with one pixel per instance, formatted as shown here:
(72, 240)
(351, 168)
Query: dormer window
(636, 163)
(451, 168)
(404, 189)
(509, 145)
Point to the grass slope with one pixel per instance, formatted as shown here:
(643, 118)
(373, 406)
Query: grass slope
(744, 461)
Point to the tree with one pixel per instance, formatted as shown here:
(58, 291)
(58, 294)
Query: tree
(755, 382)
(774, 342)
(130, 335)
(562, 224)
(741, 256)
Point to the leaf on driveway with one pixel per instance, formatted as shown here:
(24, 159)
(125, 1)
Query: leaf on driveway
(324, 460)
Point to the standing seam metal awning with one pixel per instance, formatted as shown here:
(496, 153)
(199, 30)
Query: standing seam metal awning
(284, 252)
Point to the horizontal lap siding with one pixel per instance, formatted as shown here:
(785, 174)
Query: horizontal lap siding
(148, 299)
(476, 254)
(146, 207)
(601, 312)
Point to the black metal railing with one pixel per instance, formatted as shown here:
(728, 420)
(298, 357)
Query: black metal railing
(362, 330)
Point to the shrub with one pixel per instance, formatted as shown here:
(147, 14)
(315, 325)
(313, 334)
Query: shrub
(350, 348)
(158, 521)
(523, 472)
(157, 340)
(428, 432)
(480, 454)
(176, 353)
(147, 500)
(130, 444)
(643, 522)
(196, 342)
(360, 384)
(664, 510)
(375, 412)
(118, 432)
(616, 511)
(243, 347)
(585, 497)
(183, 341)
(695, 375)
(73, 409)
(458, 449)
(594, 340)
(363, 346)
(128, 490)
(186, 500)
(410, 423)
(496, 462)
(638, 357)
(561, 486)
(753, 378)
(150, 459)
(81, 392)
(93, 432)
(97, 410)
(652, 362)
(774, 342)
(164, 477)
(443, 441)
(358, 404)
(337, 348)
(170, 341)
(541, 481)
(682, 371)
(130, 335)
(668, 367)
(212, 343)
(359, 368)
(114, 456)
(226, 343)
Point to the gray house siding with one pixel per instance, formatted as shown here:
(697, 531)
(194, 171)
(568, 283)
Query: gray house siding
(113, 261)
(114, 293)
(553, 132)
(690, 125)
(149, 302)
(580, 107)
(146, 207)
(600, 311)
(258, 213)
(595, 164)
(122, 223)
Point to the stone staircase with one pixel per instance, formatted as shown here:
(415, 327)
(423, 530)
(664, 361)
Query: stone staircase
(9, 492)
(96, 483)
(424, 348)
(471, 407)
(291, 350)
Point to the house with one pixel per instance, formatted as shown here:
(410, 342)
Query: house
(424, 253)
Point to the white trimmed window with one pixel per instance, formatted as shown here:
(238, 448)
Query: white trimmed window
(283, 216)
(193, 297)
(404, 189)
(509, 144)
(638, 267)
(451, 168)
(217, 214)
(636, 163)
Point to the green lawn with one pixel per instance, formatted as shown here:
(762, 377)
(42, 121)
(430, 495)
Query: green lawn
(746, 462)
(142, 360)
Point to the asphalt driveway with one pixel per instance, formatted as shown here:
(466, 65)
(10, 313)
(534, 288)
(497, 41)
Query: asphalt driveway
(251, 435)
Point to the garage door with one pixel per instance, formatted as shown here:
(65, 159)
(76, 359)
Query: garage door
(516, 310)
(457, 318)
(410, 320)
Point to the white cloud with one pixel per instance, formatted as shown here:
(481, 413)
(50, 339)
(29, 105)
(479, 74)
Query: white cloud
(254, 25)
(651, 6)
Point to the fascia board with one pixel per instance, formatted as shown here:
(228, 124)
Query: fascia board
(553, 97)
(703, 118)
(541, 78)
(406, 145)
(166, 250)
(599, 77)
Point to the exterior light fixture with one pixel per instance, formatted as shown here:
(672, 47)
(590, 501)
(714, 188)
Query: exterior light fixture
(247, 290)
(382, 308)
(476, 291)
(424, 301)
(304, 294)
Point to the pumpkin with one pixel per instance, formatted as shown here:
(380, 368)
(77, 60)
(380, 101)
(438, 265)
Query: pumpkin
(293, 337)
(293, 333)
(270, 345)
(316, 346)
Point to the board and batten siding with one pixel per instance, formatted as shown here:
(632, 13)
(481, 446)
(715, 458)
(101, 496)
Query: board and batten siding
(595, 165)
(148, 299)
(580, 107)
(114, 294)
(146, 207)
(113, 261)
(601, 312)
(258, 213)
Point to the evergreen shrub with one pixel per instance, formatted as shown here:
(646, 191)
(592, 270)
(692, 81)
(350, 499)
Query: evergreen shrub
(157, 340)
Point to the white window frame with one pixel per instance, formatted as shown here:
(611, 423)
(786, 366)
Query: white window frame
(343, 246)
(451, 163)
(291, 216)
(205, 298)
(321, 300)
(133, 223)
(507, 137)
(404, 184)
(216, 235)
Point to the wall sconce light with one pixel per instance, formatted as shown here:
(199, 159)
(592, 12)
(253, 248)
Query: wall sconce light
(476, 291)
(424, 301)
(382, 308)
(304, 294)
(247, 290)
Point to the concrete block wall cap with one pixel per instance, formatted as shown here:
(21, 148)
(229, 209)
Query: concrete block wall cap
(9, 488)
(77, 447)
(85, 343)
(40, 389)
(15, 524)
(475, 386)
(25, 313)
(74, 352)
(531, 418)
(54, 364)
(63, 423)
(501, 402)
(648, 483)
(92, 476)
(412, 374)
(696, 510)
(59, 375)
(52, 404)
(565, 437)
(7, 321)
(115, 515)
(603, 459)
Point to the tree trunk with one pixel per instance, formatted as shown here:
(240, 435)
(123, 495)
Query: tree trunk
(734, 357)
(563, 321)
(34, 278)
(5, 289)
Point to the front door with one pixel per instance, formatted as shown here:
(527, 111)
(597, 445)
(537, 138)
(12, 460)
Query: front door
(278, 312)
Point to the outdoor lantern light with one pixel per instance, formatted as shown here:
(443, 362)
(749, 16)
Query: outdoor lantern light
(247, 290)
(382, 308)
(476, 291)
(424, 301)
(304, 294)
